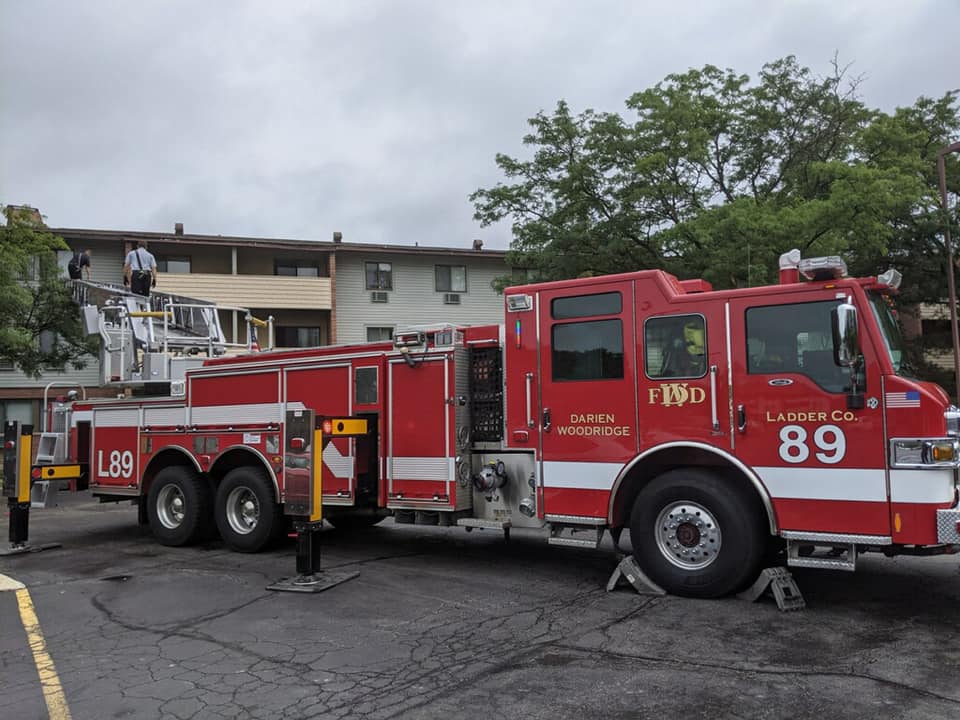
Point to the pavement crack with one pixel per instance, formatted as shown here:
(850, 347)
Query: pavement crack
(379, 558)
(780, 671)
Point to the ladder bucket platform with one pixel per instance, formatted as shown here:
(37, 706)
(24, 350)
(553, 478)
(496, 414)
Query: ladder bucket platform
(140, 334)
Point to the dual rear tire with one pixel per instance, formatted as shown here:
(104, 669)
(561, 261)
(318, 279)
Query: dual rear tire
(182, 508)
(178, 506)
(247, 514)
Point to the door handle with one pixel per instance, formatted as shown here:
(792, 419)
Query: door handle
(741, 418)
(546, 420)
(530, 422)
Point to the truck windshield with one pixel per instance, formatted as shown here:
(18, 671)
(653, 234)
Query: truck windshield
(890, 329)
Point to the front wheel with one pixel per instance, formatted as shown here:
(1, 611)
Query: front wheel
(697, 534)
(247, 515)
(178, 506)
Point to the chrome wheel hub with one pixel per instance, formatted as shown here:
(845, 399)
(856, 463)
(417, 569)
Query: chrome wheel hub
(170, 507)
(688, 535)
(243, 510)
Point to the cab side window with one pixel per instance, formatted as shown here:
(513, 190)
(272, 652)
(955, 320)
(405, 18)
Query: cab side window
(796, 338)
(589, 350)
(675, 347)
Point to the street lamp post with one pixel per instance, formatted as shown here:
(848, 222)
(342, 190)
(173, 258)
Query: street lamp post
(942, 173)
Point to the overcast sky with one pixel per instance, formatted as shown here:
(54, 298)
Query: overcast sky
(294, 119)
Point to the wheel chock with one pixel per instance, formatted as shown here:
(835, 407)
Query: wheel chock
(781, 584)
(629, 570)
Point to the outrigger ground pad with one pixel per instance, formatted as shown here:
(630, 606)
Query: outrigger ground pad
(27, 548)
(315, 582)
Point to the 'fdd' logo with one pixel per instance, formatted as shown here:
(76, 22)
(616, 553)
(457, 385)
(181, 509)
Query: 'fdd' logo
(676, 394)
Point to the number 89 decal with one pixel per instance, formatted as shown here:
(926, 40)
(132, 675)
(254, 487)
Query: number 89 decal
(828, 441)
(119, 464)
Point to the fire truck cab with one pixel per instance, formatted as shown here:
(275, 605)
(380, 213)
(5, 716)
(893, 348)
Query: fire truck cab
(719, 427)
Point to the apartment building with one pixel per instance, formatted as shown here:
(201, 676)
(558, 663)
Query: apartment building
(317, 292)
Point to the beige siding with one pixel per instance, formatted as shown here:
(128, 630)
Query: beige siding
(89, 376)
(943, 359)
(930, 311)
(414, 298)
(251, 291)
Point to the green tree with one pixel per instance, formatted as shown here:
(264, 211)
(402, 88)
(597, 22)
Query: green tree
(713, 175)
(40, 327)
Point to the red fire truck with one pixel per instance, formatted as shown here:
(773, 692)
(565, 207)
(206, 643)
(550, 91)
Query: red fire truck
(720, 427)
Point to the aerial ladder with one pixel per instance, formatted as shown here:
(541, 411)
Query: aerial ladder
(146, 346)
(156, 339)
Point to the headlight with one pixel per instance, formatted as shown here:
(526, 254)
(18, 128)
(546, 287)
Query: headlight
(919, 453)
(952, 416)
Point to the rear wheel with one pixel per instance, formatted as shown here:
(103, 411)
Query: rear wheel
(248, 517)
(697, 534)
(178, 506)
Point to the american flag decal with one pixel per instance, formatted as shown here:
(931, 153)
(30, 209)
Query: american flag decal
(908, 399)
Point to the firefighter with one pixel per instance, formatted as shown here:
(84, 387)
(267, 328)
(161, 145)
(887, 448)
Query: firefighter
(693, 338)
(686, 355)
(140, 269)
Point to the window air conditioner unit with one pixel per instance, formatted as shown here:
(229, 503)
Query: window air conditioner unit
(451, 298)
(379, 296)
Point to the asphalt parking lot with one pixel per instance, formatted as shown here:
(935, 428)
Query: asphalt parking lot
(445, 624)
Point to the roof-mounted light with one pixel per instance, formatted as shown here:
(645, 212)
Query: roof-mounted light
(789, 259)
(830, 267)
(891, 278)
(409, 339)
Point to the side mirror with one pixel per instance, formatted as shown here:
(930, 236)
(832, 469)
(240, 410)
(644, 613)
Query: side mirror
(846, 341)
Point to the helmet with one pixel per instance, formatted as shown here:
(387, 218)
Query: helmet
(693, 337)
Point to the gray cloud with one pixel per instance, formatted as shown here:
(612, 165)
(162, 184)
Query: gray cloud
(294, 119)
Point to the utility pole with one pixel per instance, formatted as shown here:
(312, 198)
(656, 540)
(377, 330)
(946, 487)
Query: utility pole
(942, 173)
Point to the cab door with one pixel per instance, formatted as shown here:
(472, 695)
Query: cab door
(821, 460)
(588, 395)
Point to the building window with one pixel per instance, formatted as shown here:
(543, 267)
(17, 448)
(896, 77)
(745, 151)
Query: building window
(379, 334)
(675, 346)
(297, 337)
(519, 275)
(590, 350)
(16, 410)
(796, 338)
(296, 268)
(451, 278)
(379, 275)
(177, 264)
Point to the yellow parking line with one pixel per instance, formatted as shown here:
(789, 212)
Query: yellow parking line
(49, 680)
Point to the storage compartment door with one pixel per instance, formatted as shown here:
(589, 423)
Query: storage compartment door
(420, 464)
(328, 392)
